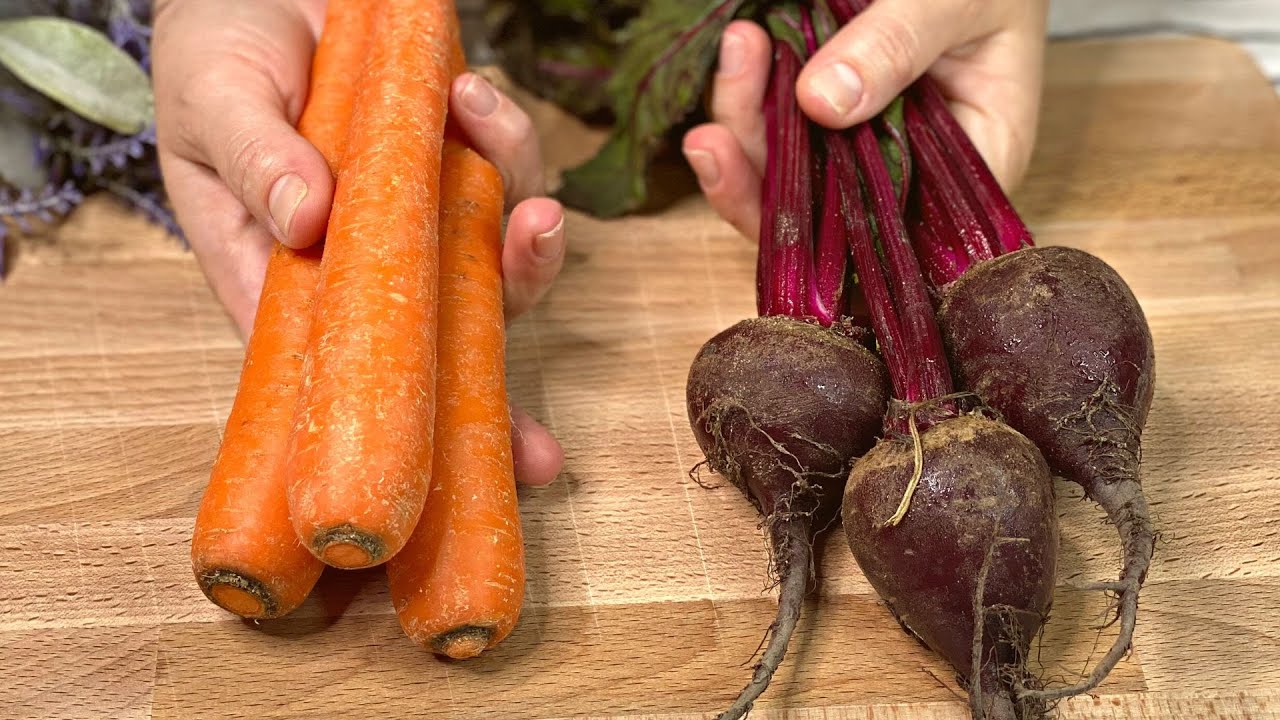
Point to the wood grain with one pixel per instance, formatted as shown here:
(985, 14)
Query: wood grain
(647, 592)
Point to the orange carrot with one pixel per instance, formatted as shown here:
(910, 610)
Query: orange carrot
(458, 584)
(244, 552)
(360, 455)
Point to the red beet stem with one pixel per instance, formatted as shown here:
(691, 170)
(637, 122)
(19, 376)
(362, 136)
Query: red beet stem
(825, 301)
(808, 30)
(928, 375)
(1011, 232)
(960, 223)
(871, 277)
(844, 10)
(940, 261)
(992, 202)
(786, 236)
(826, 293)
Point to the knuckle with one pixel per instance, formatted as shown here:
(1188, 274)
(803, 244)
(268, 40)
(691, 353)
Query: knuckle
(180, 112)
(520, 125)
(969, 12)
(248, 159)
(894, 46)
(205, 93)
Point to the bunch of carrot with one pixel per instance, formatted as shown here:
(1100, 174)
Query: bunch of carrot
(371, 424)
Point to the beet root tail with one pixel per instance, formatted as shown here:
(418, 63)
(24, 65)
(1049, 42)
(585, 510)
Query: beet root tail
(1126, 507)
(999, 703)
(794, 556)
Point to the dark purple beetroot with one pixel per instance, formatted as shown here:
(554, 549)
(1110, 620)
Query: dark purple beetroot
(1054, 340)
(781, 408)
(980, 537)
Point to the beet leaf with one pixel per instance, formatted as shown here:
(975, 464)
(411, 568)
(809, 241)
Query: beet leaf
(657, 82)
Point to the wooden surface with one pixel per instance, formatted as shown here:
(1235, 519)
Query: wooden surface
(647, 592)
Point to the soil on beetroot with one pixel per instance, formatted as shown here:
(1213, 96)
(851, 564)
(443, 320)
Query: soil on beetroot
(1055, 341)
(969, 569)
(781, 407)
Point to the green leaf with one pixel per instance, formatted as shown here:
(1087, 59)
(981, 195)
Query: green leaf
(579, 10)
(824, 21)
(659, 79)
(80, 68)
(562, 50)
(784, 26)
(18, 164)
(893, 145)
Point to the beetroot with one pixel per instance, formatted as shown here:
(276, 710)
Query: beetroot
(780, 407)
(950, 516)
(1054, 339)
(782, 404)
(980, 539)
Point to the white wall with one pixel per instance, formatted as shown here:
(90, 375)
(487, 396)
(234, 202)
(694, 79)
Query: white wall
(1255, 24)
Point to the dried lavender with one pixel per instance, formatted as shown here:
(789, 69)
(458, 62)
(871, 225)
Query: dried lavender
(149, 202)
(93, 151)
(128, 27)
(79, 156)
(20, 101)
(46, 205)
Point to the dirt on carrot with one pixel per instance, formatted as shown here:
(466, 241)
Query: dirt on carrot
(360, 460)
(244, 552)
(458, 584)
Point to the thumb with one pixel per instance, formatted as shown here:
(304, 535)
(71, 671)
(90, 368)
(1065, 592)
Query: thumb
(879, 53)
(245, 136)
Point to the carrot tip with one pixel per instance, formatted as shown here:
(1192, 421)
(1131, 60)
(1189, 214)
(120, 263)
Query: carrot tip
(237, 601)
(348, 548)
(239, 594)
(465, 642)
(346, 556)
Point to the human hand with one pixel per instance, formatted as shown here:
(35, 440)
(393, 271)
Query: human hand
(984, 54)
(231, 77)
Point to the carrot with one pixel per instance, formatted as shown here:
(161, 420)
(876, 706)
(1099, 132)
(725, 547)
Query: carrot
(244, 552)
(360, 457)
(458, 585)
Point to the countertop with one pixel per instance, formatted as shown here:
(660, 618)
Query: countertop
(647, 593)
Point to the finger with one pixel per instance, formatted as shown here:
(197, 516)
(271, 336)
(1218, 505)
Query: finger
(726, 175)
(537, 455)
(996, 141)
(881, 51)
(231, 246)
(503, 133)
(234, 109)
(532, 254)
(272, 170)
(994, 93)
(738, 88)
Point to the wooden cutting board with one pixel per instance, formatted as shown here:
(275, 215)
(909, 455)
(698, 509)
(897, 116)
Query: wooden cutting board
(647, 593)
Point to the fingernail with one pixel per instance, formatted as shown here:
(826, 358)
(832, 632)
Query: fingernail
(286, 195)
(479, 96)
(732, 50)
(838, 86)
(550, 244)
(704, 166)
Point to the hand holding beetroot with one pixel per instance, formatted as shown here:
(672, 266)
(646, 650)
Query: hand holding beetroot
(951, 515)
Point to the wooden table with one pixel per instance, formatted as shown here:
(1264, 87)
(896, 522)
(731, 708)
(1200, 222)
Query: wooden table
(647, 592)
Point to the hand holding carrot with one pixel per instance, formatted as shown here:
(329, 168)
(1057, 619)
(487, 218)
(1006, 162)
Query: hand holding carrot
(231, 79)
